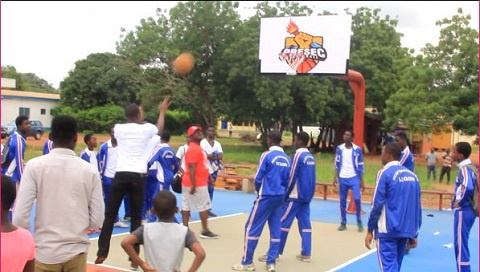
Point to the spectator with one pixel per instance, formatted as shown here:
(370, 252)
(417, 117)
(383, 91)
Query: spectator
(15, 154)
(406, 158)
(464, 215)
(349, 175)
(194, 182)
(89, 154)
(164, 241)
(68, 196)
(447, 165)
(18, 248)
(431, 159)
(396, 214)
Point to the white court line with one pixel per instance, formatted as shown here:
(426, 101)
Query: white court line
(353, 260)
(196, 221)
(110, 266)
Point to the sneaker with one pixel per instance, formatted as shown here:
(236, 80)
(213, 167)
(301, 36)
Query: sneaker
(305, 259)
(244, 267)
(270, 267)
(208, 235)
(263, 258)
(360, 227)
(211, 214)
(133, 266)
(126, 218)
(342, 227)
(144, 221)
(120, 224)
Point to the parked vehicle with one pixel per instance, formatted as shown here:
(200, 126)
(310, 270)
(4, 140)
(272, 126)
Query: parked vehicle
(36, 129)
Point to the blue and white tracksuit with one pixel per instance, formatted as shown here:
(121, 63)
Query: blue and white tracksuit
(271, 182)
(464, 216)
(301, 188)
(167, 165)
(396, 214)
(47, 147)
(90, 157)
(349, 182)
(15, 157)
(406, 159)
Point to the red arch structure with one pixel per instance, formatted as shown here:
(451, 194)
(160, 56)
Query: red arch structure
(357, 83)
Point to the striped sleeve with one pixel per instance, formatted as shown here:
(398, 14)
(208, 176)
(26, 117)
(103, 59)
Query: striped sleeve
(293, 172)
(260, 171)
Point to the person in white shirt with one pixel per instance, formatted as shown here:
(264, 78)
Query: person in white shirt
(215, 155)
(132, 138)
(68, 194)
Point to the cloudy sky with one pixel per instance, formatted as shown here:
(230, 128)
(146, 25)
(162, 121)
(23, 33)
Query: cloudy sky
(46, 38)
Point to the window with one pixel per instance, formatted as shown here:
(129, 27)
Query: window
(24, 111)
(43, 111)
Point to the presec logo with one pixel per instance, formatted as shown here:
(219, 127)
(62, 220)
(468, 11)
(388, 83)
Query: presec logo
(303, 51)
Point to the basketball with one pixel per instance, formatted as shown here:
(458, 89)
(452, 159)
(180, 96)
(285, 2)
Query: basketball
(183, 63)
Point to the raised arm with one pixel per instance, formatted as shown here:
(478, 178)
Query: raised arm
(162, 109)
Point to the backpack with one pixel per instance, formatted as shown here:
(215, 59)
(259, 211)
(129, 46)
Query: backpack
(474, 200)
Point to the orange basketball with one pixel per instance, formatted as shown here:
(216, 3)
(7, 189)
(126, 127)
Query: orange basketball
(183, 63)
(306, 65)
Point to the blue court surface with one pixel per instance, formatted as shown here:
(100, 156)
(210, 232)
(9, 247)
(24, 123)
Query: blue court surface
(434, 253)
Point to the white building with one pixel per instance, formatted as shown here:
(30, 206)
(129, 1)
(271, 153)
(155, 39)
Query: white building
(37, 106)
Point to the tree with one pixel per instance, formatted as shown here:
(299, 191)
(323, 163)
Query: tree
(101, 79)
(200, 27)
(442, 87)
(27, 81)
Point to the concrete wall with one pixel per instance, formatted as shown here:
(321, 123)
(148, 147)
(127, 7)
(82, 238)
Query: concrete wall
(11, 109)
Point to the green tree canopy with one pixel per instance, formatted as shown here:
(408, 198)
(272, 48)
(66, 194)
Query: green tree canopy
(27, 81)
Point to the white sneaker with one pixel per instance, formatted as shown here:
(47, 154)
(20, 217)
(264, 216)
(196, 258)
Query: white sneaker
(120, 224)
(270, 267)
(263, 258)
(305, 259)
(244, 267)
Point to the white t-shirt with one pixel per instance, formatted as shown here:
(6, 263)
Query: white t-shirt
(112, 159)
(209, 148)
(152, 145)
(347, 170)
(132, 146)
(93, 157)
(181, 155)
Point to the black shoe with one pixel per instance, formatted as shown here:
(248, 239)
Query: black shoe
(208, 235)
(211, 214)
(342, 227)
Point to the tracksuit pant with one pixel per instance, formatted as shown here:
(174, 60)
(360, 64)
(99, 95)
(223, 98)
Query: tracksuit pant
(463, 221)
(124, 183)
(345, 185)
(265, 208)
(106, 183)
(151, 188)
(301, 211)
(211, 187)
(390, 252)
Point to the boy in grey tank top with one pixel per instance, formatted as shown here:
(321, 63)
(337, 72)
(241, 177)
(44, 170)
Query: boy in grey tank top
(164, 241)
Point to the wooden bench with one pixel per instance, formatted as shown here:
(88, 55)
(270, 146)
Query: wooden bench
(237, 182)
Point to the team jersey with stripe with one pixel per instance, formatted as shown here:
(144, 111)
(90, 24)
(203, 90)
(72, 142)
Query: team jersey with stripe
(302, 177)
(407, 159)
(15, 157)
(464, 185)
(164, 155)
(271, 178)
(396, 210)
(47, 147)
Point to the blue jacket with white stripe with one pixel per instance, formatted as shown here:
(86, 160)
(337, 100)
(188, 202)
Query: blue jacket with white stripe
(396, 210)
(302, 177)
(15, 157)
(464, 185)
(406, 159)
(271, 178)
(357, 158)
(165, 156)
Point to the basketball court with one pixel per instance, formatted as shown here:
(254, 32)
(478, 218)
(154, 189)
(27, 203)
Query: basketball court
(331, 250)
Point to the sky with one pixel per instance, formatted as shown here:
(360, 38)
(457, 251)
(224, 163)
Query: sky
(47, 38)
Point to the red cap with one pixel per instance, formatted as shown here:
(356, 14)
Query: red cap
(191, 130)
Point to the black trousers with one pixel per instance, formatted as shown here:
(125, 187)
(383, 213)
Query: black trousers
(445, 170)
(123, 183)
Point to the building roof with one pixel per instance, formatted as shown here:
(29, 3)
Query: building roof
(29, 95)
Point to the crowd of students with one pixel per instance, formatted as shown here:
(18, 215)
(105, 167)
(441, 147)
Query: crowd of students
(137, 166)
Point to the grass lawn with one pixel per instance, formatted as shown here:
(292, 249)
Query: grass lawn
(238, 152)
